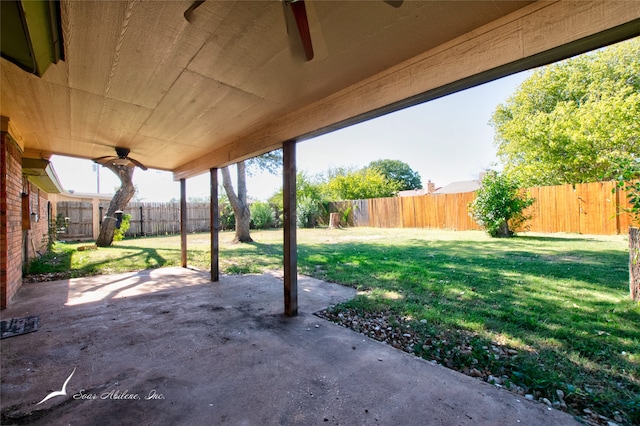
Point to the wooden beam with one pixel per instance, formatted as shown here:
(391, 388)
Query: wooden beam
(215, 226)
(183, 223)
(536, 35)
(290, 243)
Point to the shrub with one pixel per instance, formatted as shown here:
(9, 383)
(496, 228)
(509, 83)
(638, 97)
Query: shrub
(59, 224)
(308, 212)
(227, 218)
(261, 215)
(118, 233)
(499, 206)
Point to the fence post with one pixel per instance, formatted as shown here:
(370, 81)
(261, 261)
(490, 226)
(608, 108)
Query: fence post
(141, 222)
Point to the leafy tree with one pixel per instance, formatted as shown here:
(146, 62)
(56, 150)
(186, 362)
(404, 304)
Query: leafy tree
(628, 179)
(572, 121)
(398, 171)
(309, 196)
(361, 184)
(306, 186)
(270, 162)
(499, 206)
(118, 202)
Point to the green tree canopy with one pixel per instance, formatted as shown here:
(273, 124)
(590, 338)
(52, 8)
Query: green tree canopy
(573, 121)
(307, 186)
(309, 197)
(360, 184)
(398, 171)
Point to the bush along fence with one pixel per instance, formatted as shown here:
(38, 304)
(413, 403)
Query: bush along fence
(589, 208)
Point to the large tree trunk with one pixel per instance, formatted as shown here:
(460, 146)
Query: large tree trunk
(504, 231)
(634, 263)
(118, 202)
(334, 221)
(238, 202)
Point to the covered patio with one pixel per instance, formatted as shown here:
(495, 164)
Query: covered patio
(189, 352)
(190, 87)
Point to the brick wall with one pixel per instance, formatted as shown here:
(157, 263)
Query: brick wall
(10, 219)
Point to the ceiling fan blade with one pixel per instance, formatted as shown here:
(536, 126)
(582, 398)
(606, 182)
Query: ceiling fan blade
(194, 6)
(394, 3)
(102, 158)
(300, 14)
(137, 163)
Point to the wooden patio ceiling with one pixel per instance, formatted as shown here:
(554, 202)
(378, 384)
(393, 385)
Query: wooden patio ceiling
(187, 95)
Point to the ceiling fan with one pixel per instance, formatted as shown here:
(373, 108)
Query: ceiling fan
(299, 11)
(121, 159)
(295, 13)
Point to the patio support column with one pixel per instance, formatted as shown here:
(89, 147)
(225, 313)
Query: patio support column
(290, 242)
(215, 225)
(183, 222)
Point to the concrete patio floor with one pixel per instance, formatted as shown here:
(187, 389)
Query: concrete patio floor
(192, 352)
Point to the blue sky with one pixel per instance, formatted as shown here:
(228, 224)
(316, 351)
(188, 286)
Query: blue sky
(445, 140)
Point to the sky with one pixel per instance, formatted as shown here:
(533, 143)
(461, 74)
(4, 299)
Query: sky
(445, 140)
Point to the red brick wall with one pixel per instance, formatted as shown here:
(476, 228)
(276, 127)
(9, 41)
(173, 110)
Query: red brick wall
(10, 219)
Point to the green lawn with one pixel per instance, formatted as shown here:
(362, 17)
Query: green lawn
(537, 313)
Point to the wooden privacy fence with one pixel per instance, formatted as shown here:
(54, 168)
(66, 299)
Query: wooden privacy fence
(588, 208)
(79, 224)
(146, 218)
(164, 218)
(446, 211)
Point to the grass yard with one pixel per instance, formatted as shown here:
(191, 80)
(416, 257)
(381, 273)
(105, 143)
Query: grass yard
(547, 316)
